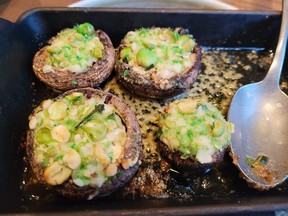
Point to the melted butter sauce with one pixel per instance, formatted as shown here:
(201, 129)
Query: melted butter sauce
(222, 73)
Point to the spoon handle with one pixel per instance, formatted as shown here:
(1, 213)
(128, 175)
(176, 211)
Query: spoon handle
(274, 73)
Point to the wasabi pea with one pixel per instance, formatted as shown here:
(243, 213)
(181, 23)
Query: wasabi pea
(168, 35)
(125, 53)
(183, 39)
(186, 42)
(97, 53)
(146, 58)
(53, 49)
(219, 128)
(189, 45)
(43, 136)
(95, 130)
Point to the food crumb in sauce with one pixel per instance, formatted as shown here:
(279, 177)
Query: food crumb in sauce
(260, 166)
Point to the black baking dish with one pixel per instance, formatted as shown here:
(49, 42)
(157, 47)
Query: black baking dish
(19, 90)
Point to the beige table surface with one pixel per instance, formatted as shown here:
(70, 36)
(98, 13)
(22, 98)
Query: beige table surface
(12, 9)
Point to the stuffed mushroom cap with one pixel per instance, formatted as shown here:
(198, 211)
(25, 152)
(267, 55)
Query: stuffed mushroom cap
(84, 143)
(193, 134)
(76, 57)
(158, 62)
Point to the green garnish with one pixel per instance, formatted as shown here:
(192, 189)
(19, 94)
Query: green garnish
(110, 155)
(74, 146)
(75, 83)
(59, 157)
(159, 133)
(126, 73)
(143, 32)
(77, 99)
(111, 116)
(176, 35)
(45, 162)
(262, 159)
(98, 108)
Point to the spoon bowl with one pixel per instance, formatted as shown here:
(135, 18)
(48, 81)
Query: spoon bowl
(260, 117)
(259, 112)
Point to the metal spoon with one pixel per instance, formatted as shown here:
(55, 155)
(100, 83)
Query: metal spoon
(259, 112)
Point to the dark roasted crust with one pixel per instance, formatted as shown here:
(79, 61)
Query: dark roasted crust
(140, 85)
(193, 166)
(133, 149)
(65, 80)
